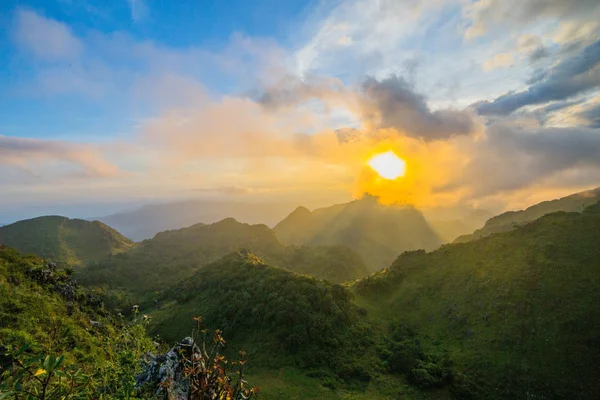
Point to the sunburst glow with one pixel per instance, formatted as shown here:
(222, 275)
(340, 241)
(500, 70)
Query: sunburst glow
(388, 165)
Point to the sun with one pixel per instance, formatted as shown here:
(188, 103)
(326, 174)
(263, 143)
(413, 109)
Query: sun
(388, 165)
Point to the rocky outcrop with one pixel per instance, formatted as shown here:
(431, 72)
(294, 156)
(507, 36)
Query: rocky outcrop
(164, 374)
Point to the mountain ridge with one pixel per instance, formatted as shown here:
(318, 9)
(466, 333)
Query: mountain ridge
(507, 221)
(377, 232)
(70, 241)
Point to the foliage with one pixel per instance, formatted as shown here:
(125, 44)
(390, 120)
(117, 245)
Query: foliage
(70, 242)
(515, 312)
(205, 369)
(302, 320)
(58, 341)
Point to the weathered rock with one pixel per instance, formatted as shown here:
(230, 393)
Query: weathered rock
(164, 373)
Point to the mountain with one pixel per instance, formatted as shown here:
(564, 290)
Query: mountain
(174, 255)
(517, 311)
(509, 220)
(71, 242)
(149, 220)
(377, 232)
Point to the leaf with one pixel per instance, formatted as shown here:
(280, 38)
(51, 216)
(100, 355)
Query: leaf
(49, 362)
(39, 372)
(59, 361)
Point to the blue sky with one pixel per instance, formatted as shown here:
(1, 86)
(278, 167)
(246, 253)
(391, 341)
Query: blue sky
(133, 101)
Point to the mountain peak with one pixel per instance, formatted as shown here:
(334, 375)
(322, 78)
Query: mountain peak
(69, 241)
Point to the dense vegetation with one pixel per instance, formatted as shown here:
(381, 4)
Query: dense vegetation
(517, 312)
(72, 242)
(377, 233)
(509, 220)
(57, 340)
(172, 256)
(312, 320)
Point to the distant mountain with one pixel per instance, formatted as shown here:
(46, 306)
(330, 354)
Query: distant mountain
(174, 255)
(71, 242)
(378, 233)
(509, 220)
(147, 221)
(517, 311)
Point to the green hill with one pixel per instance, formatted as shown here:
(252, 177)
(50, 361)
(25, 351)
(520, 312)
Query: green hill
(158, 263)
(517, 311)
(511, 219)
(52, 328)
(72, 242)
(376, 232)
(269, 308)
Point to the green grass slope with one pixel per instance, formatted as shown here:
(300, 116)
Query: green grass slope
(519, 312)
(45, 313)
(509, 220)
(72, 242)
(376, 232)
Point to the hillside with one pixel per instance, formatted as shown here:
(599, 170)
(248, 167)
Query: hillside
(51, 327)
(149, 220)
(72, 242)
(171, 256)
(509, 220)
(376, 232)
(518, 311)
(254, 303)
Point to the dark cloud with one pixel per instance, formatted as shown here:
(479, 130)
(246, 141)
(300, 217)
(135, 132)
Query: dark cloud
(513, 158)
(592, 116)
(538, 54)
(291, 91)
(568, 78)
(391, 103)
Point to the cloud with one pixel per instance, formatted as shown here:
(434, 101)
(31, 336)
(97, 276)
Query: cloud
(592, 116)
(391, 103)
(501, 60)
(532, 46)
(44, 37)
(514, 158)
(70, 159)
(485, 15)
(569, 77)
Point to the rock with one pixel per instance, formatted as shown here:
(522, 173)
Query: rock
(164, 373)
(67, 291)
(96, 324)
